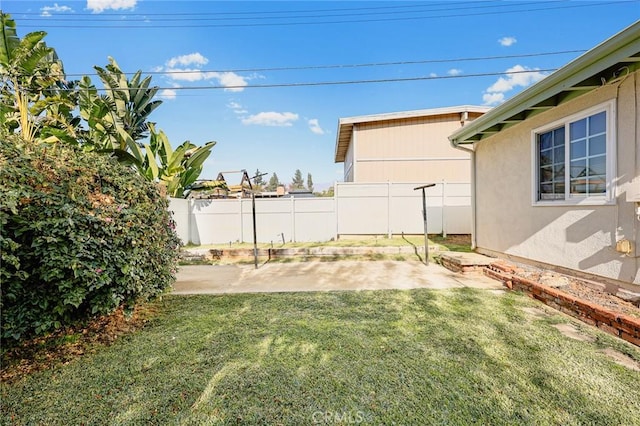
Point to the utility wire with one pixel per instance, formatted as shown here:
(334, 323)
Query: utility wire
(332, 83)
(204, 17)
(345, 66)
(270, 24)
(268, 12)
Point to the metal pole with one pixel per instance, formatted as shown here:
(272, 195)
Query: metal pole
(255, 236)
(253, 213)
(426, 237)
(424, 217)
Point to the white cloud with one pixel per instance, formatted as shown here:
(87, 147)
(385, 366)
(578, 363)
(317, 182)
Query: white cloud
(454, 71)
(433, 74)
(507, 41)
(516, 76)
(188, 68)
(277, 119)
(237, 108)
(493, 98)
(97, 6)
(168, 94)
(190, 59)
(232, 81)
(46, 10)
(314, 126)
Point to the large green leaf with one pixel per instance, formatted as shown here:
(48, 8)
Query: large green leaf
(9, 39)
(152, 170)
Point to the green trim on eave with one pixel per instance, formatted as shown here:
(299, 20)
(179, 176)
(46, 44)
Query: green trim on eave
(610, 52)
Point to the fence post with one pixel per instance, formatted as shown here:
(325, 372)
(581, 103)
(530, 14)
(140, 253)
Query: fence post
(241, 221)
(388, 209)
(444, 216)
(293, 219)
(335, 207)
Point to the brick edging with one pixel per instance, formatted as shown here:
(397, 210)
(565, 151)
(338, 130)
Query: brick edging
(620, 325)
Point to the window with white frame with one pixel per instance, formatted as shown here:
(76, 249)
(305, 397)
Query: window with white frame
(574, 157)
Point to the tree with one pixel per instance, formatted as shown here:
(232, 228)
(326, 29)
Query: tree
(258, 181)
(35, 98)
(298, 180)
(309, 182)
(274, 183)
(329, 192)
(118, 119)
(38, 102)
(176, 169)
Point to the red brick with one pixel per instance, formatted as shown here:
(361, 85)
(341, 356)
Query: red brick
(568, 311)
(632, 321)
(567, 298)
(604, 315)
(588, 306)
(629, 338)
(628, 325)
(589, 321)
(526, 282)
(609, 329)
(552, 292)
(504, 267)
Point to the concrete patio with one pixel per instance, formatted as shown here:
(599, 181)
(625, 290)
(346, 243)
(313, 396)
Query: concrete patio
(323, 276)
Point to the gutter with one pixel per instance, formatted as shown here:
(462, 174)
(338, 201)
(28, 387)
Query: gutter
(473, 192)
(617, 48)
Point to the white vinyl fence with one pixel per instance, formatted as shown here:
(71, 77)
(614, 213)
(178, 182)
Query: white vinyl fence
(356, 209)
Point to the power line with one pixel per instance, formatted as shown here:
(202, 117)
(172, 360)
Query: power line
(341, 66)
(346, 66)
(269, 24)
(206, 17)
(265, 12)
(334, 83)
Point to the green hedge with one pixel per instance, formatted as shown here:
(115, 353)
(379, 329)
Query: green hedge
(81, 236)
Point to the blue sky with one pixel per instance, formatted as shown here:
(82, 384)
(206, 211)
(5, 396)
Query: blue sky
(209, 56)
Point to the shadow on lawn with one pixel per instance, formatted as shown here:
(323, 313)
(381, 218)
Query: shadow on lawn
(407, 357)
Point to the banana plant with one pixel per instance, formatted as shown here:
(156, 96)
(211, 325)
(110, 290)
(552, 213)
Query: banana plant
(35, 97)
(176, 169)
(132, 100)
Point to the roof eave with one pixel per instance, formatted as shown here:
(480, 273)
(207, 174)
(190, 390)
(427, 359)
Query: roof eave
(346, 124)
(615, 49)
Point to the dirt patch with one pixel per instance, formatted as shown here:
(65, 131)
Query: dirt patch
(582, 290)
(572, 332)
(67, 344)
(535, 312)
(622, 359)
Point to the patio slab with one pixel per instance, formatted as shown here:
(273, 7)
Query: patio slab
(323, 276)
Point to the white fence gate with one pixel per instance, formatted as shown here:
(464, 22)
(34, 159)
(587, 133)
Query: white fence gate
(356, 209)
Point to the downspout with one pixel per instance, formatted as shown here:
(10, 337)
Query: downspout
(473, 192)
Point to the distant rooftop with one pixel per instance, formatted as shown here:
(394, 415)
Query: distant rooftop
(345, 125)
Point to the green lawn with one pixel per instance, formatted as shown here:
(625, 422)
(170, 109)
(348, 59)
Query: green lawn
(419, 357)
(453, 243)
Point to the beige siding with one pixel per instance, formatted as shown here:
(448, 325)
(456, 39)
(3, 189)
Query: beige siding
(410, 150)
(453, 171)
(348, 163)
(581, 238)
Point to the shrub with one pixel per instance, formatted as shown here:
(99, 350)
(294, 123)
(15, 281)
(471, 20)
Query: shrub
(81, 235)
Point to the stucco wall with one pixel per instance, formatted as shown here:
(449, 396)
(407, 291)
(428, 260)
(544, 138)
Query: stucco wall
(581, 238)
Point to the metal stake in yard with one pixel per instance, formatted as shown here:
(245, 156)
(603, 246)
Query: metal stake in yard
(424, 217)
(255, 235)
(253, 214)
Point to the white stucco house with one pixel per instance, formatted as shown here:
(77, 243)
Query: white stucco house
(556, 169)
